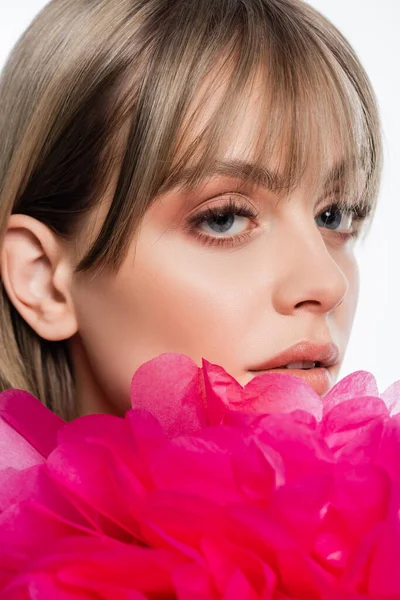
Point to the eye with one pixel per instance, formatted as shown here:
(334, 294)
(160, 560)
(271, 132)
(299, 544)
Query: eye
(211, 225)
(346, 221)
(333, 217)
(233, 217)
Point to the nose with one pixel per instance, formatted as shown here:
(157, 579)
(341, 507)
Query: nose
(308, 276)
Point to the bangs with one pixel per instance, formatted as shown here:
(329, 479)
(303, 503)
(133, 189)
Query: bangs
(315, 117)
(310, 124)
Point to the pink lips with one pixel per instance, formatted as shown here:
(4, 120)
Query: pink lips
(328, 354)
(319, 378)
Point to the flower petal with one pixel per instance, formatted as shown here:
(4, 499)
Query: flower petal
(28, 430)
(170, 386)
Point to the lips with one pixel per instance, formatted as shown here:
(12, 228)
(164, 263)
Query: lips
(319, 378)
(327, 354)
(303, 364)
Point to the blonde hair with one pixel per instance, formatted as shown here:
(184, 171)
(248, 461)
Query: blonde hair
(83, 70)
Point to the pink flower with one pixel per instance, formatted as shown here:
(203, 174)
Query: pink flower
(186, 397)
(205, 490)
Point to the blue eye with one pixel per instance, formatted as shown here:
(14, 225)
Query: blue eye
(231, 218)
(344, 221)
(223, 222)
(331, 217)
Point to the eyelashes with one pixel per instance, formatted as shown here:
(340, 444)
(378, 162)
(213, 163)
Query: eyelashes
(234, 208)
(231, 208)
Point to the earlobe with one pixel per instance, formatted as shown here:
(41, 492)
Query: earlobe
(36, 274)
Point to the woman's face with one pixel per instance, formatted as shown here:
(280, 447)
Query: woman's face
(236, 290)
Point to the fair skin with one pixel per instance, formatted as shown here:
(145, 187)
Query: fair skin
(290, 280)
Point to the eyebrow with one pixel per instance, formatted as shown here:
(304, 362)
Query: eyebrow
(259, 176)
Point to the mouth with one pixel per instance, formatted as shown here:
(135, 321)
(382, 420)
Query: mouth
(315, 374)
(308, 360)
(300, 364)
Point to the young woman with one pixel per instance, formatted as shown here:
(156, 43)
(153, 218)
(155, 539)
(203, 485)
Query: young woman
(180, 176)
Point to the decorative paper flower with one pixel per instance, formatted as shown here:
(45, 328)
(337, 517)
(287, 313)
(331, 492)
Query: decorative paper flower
(204, 490)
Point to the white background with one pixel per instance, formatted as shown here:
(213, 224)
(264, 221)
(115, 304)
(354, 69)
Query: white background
(372, 28)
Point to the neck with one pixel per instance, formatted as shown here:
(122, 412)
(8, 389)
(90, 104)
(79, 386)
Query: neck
(90, 396)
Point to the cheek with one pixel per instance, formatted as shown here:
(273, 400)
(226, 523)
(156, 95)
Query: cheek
(194, 299)
(174, 300)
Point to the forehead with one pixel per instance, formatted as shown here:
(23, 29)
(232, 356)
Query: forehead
(242, 137)
(245, 126)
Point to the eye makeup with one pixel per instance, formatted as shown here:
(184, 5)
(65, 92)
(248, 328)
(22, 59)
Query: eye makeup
(235, 207)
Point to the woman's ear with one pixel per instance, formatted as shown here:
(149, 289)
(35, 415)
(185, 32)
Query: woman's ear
(37, 275)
